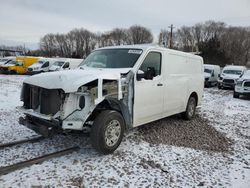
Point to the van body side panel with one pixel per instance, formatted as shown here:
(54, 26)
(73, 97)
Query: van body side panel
(196, 77)
(176, 84)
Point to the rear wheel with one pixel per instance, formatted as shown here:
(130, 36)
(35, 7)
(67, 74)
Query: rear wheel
(107, 131)
(191, 108)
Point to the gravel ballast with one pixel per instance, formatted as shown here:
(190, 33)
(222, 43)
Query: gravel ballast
(196, 133)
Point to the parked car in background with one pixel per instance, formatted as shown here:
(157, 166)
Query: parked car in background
(42, 65)
(242, 86)
(5, 60)
(211, 74)
(5, 68)
(229, 76)
(22, 64)
(114, 89)
(65, 64)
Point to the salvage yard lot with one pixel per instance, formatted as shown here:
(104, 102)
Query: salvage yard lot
(213, 150)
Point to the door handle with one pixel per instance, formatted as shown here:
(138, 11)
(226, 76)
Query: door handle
(159, 84)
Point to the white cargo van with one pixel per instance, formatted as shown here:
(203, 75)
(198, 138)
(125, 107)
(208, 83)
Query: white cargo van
(211, 74)
(65, 64)
(42, 65)
(114, 89)
(229, 76)
(242, 86)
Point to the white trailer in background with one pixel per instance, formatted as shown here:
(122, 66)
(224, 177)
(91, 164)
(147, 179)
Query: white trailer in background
(65, 64)
(211, 74)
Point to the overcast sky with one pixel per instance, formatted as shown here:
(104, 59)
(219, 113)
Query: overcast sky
(26, 21)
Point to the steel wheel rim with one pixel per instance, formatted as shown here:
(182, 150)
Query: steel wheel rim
(112, 133)
(191, 108)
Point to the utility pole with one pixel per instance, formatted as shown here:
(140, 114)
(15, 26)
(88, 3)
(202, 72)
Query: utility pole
(171, 36)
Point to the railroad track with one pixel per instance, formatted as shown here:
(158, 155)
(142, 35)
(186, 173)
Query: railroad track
(7, 169)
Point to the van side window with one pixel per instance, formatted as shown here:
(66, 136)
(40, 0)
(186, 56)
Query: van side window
(152, 63)
(66, 65)
(46, 64)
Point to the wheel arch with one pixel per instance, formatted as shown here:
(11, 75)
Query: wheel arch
(110, 103)
(195, 95)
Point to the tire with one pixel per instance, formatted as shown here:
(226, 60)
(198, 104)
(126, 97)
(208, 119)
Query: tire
(209, 84)
(108, 123)
(236, 95)
(190, 109)
(12, 72)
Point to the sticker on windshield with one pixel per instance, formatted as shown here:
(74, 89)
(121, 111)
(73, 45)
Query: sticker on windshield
(135, 51)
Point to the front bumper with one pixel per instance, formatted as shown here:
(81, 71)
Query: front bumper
(226, 85)
(4, 70)
(242, 90)
(41, 126)
(33, 72)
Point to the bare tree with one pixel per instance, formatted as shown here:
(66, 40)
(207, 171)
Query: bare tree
(140, 35)
(163, 38)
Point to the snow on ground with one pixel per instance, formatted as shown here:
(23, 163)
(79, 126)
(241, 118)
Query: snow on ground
(138, 162)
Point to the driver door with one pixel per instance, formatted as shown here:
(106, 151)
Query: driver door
(148, 91)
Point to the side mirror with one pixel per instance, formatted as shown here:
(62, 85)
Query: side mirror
(150, 74)
(46, 64)
(213, 74)
(140, 74)
(218, 75)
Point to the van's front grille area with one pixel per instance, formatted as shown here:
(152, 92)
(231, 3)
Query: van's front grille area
(228, 81)
(45, 101)
(247, 84)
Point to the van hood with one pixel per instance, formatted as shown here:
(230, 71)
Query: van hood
(230, 76)
(71, 80)
(244, 77)
(36, 66)
(54, 68)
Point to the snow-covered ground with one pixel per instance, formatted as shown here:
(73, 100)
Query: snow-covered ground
(168, 153)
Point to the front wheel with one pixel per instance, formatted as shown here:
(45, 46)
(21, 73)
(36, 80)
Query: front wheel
(107, 131)
(236, 95)
(190, 109)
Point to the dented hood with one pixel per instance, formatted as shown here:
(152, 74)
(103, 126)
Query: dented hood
(71, 80)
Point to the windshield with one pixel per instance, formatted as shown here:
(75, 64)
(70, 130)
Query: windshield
(59, 63)
(112, 58)
(39, 63)
(237, 72)
(247, 73)
(3, 60)
(12, 62)
(208, 71)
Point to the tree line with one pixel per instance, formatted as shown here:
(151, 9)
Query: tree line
(79, 43)
(216, 42)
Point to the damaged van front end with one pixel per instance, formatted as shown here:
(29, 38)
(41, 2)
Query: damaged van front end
(69, 100)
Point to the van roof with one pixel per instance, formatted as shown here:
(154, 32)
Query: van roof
(210, 65)
(234, 67)
(146, 47)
